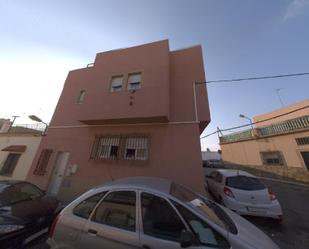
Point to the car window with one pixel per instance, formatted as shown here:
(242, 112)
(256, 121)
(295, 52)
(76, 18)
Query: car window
(117, 209)
(206, 235)
(28, 190)
(84, 209)
(213, 174)
(19, 192)
(218, 177)
(203, 205)
(160, 220)
(245, 183)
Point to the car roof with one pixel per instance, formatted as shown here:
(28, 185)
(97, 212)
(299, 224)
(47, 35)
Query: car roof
(150, 183)
(234, 172)
(10, 182)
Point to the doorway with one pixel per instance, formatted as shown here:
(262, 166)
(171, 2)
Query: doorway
(305, 155)
(58, 172)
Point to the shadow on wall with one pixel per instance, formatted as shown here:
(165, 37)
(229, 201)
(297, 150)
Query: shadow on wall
(278, 172)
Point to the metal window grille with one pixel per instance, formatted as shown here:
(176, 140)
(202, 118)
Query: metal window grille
(106, 148)
(136, 148)
(121, 147)
(10, 164)
(302, 140)
(41, 166)
(272, 158)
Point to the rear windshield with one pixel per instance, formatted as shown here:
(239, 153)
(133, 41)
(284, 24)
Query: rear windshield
(244, 183)
(207, 207)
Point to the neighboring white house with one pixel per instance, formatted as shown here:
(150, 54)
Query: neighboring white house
(211, 155)
(18, 146)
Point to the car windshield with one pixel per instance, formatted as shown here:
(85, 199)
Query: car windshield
(11, 194)
(244, 183)
(203, 205)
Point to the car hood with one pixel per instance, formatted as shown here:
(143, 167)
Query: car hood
(27, 211)
(249, 233)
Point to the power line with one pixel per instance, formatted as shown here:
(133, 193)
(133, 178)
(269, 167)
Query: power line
(253, 78)
(257, 122)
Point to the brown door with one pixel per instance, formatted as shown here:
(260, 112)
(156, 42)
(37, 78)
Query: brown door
(305, 155)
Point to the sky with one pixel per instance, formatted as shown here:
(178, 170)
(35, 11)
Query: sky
(40, 41)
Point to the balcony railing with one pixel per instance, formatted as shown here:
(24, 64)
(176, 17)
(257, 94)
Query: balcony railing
(28, 128)
(285, 126)
(288, 126)
(243, 135)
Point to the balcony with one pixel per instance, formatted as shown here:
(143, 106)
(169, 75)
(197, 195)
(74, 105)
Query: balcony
(285, 127)
(34, 129)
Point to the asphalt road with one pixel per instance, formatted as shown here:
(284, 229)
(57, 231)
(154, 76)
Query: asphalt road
(293, 232)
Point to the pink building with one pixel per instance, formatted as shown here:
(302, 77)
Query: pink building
(134, 111)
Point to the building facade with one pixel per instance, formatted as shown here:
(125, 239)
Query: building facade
(279, 140)
(134, 111)
(18, 146)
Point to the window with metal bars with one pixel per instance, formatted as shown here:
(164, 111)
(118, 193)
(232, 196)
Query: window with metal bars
(121, 147)
(302, 140)
(136, 148)
(10, 164)
(272, 158)
(41, 166)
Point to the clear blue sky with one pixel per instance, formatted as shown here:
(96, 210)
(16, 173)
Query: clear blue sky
(40, 41)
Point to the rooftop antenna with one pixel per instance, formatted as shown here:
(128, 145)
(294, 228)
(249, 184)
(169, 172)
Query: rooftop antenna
(279, 97)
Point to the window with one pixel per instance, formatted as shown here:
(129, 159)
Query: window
(244, 183)
(118, 209)
(134, 81)
(41, 166)
(116, 84)
(19, 192)
(9, 164)
(121, 147)
(202, 230)
(272, 158)
(81, 97)
(136, 148)
(84, 209)
(160, 220)
(302, 140)
(106, 147)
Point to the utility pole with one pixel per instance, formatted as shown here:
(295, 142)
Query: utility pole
(14, 117)
(278, 94)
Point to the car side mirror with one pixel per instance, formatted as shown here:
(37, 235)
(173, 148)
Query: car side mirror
(186, 239)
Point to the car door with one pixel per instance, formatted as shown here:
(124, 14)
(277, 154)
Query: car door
(160, 225)
(210, 180)
(113, 223)
(217, 185)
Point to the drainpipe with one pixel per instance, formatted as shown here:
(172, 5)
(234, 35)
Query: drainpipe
(195, 105)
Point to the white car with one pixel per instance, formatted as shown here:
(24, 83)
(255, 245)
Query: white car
(151, 213)
(243, 193)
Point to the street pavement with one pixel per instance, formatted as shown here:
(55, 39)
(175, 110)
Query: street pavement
(293, 232)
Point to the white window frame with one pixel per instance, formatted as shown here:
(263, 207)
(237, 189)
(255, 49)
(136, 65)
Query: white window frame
(116, 83)
(134, 81)
(140, 145)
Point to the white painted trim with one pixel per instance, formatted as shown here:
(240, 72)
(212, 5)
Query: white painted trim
(117, 125)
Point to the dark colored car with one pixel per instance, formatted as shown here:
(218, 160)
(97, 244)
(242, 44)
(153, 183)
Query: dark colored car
(26, 213)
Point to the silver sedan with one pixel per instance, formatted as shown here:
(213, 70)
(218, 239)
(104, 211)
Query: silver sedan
(151, 213)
